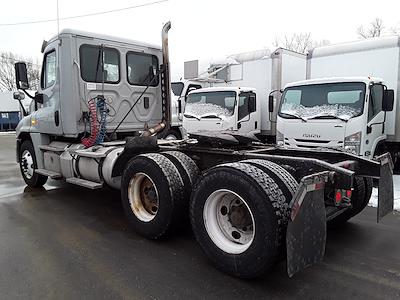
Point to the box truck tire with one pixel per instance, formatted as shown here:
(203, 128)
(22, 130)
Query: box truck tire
(152, 195)
(237, 213)
(171, 134)
(28, 164)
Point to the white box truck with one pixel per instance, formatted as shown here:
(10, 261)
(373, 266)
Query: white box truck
(345, 111)
(266, 75)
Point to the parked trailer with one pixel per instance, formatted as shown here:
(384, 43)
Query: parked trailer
(249, 203)
(372, 130)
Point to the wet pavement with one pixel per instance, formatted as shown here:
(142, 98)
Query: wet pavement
(66, 242)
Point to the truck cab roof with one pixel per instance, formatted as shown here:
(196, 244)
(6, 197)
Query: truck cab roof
(90, 35)
(366, 80)
(223, 89)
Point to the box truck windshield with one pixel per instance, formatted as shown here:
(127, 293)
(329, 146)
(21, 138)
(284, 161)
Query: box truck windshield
(343, 100)
(210, 104)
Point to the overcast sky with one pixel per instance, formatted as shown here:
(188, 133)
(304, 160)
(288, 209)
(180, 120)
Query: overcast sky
(203, 29)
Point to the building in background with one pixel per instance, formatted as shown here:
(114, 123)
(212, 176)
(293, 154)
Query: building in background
(10, 111)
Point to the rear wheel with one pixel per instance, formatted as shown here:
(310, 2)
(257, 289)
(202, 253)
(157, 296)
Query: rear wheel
(152, 195)
(238, 217)
(283, 178)
(28, 164)
(172, 134)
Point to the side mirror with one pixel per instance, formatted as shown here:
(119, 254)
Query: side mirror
(252, 103)
(38, 98)
(388, 100)
(18, 96)
(21, 76)
(271, 103)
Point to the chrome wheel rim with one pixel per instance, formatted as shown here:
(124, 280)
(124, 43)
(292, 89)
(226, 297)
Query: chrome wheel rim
(229, 221)
(143, 197)
(27, 164)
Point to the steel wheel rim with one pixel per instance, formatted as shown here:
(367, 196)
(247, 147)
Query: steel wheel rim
(27, 164)
(229, 221)
(143, 197)
(171, 137)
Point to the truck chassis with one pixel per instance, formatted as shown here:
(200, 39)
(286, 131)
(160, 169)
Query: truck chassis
(247, 203)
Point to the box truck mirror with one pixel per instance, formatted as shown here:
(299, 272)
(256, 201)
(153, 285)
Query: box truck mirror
(252, 103)
(271, 103)
(388, 100)
(21, 76)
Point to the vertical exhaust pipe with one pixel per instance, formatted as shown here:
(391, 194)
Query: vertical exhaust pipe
(166, 90)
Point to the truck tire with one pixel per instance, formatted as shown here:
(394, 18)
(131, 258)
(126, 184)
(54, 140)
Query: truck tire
(172, 134)
(369, 184)
(238, 217)
(358, 201)
(152, 195)
(28, 164)
(187, 169)
(283, 178)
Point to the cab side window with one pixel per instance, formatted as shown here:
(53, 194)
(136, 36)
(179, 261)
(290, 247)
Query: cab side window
(244, 109)
(48, 77)
(375, 101)
(99, 63)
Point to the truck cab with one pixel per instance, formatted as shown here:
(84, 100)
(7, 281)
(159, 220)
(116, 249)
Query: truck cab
(340, 113)
(222, 108)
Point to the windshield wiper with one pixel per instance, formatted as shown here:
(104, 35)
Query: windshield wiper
(191, 116)
(210, 116)
(294, 116)
(324, 116)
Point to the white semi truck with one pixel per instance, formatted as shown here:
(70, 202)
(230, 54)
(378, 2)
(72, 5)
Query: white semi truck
(102, 102)
(347, 101)
(266, 74)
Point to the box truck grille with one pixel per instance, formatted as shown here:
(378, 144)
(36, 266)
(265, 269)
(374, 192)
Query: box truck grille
(312, 141)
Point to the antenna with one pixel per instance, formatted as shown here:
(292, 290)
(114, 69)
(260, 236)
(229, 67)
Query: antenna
(58, 21)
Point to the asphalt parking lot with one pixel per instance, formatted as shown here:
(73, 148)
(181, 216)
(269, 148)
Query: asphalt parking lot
(66, 242)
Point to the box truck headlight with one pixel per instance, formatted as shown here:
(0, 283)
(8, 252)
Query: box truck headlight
(352, 143)
(279, 138)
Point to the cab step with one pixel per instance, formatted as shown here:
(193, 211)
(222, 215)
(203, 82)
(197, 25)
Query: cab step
(85, 183)
(50, 174)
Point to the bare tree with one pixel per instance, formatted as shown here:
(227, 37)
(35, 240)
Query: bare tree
(7, 72)
(375, 29)
(299, 42)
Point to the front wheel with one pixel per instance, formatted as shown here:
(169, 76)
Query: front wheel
(28, 164)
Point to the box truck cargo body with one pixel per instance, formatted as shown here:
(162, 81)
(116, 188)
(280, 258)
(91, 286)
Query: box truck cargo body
(377, 62)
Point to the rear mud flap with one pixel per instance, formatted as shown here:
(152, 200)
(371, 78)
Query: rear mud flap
(385, 192)
(306, 231)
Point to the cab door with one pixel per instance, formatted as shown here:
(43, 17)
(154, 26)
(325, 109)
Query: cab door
(47, 118)
(248, 116)
(376, 117)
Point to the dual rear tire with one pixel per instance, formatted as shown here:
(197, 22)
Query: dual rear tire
(238, 211)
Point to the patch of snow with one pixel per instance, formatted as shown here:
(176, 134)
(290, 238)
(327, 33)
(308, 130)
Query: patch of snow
(204, 109)
(396, 186)
(340, 111)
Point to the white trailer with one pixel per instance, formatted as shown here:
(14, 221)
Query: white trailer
(362, 61)
(267, 75)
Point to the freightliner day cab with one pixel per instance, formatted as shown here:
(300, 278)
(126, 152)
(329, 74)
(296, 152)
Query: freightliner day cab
(102, 101)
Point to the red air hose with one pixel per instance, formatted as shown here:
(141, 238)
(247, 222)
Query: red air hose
(94, 126)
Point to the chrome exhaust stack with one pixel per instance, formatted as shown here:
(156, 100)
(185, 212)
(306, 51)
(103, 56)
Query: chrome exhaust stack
(165, 76)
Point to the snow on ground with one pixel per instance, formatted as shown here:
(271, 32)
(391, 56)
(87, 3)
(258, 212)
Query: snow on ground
(396, 182)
